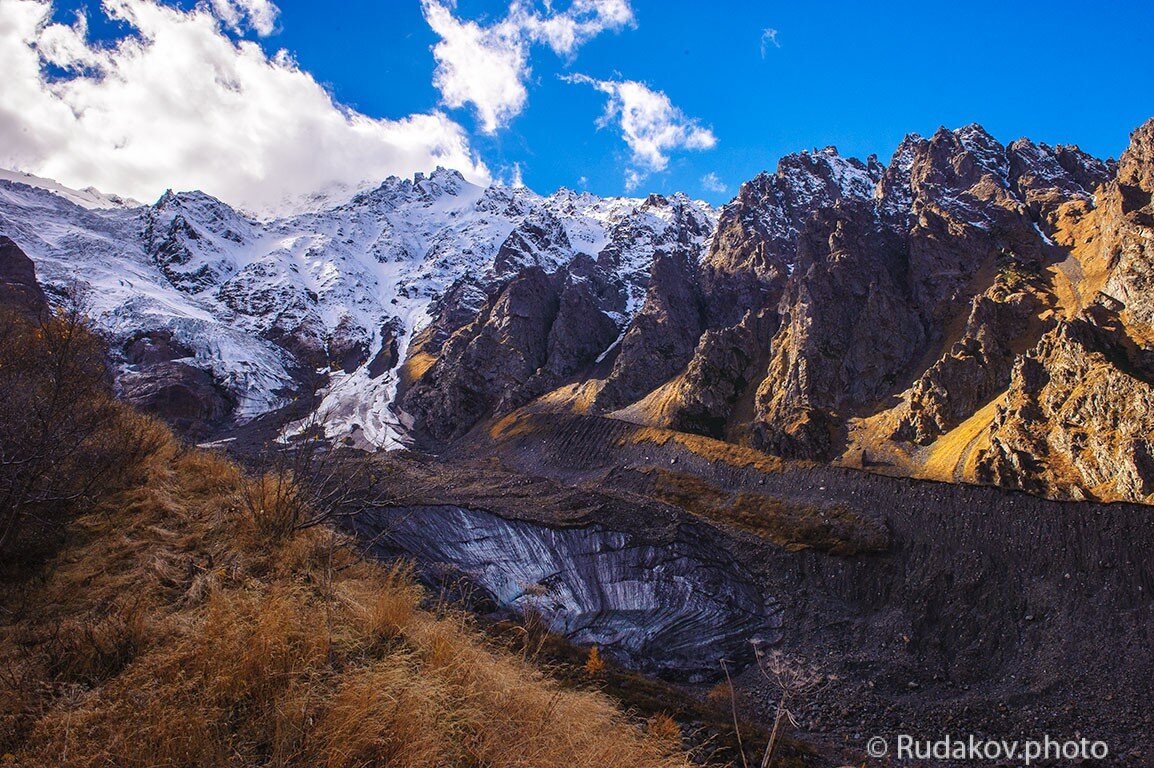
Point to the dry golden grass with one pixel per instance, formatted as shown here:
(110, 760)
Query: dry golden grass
(708, 448)
(575, 398)
(416, 366)
(952, 457)
(655, 409)
(515, 424)
(833, 528)
(173, 630)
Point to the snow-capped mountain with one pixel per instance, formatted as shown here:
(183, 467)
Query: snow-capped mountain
(835, 309)
(189, 286)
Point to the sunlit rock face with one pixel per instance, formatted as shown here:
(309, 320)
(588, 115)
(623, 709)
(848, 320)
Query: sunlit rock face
(675, 609)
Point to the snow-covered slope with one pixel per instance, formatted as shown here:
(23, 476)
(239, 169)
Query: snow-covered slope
(90, 197)
(257, 303)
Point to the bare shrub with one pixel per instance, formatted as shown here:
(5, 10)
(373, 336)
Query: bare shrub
(64, 440)
(794, 679)
(95, 648)
(304, 481)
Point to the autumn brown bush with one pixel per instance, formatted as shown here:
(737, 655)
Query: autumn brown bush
(65, 442)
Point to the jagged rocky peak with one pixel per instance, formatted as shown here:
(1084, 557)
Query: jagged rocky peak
(950, 163)
(193, 238)
(208, 212)
(1136, 168)
(894, 192)
(966, 160)
(758, 230)
(1047, 178)
(510, 202)
(843, 303)
(654, 201)
(834, 305)
(423, 189)
(540, 240)
(988, 151)
(825, 176)
(388, 190)
(442, 181)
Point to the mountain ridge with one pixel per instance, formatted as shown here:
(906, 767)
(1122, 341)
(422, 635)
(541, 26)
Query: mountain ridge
(835, 310)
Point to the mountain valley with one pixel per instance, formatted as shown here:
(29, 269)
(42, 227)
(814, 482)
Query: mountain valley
(893, 418)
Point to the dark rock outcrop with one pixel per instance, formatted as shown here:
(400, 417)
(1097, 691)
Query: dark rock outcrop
(149, 347)
(725, 365)
(978, 365)
(483, 366)
(348, 346)
(661, 339)
(538, 330)
(538, 241)
(189, 255)
(388, 355)
(1048, 177)
(849, 329)
(1079, 418)
(183, 395)
(19, 290)
(580, 332)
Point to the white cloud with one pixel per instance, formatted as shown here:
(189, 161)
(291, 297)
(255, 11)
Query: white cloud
(487, 66)
(768, 35)
(258, 14)
(711, 182)
(566, 32)
(482, 66)
(650, 124)
(511, 176)
(634, 179)
(179, 104)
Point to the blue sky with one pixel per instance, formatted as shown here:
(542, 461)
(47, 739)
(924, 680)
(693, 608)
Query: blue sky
(852, 74)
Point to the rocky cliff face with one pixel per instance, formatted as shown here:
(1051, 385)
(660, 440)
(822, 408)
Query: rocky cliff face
(1077, 419)
(850, 309)
(541, 329)
(978, 365)
(848, 330)
(922, 316)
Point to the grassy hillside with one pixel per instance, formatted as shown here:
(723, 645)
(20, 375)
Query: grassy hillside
(181, 620)
(177, 627)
